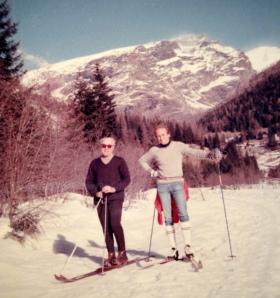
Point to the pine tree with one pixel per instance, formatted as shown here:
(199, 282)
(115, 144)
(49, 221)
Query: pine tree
(216, 141)
(94, 106)
(10, 60)
(188, 136)
(177, 136)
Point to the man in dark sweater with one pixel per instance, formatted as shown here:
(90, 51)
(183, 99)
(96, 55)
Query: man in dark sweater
(107, 178)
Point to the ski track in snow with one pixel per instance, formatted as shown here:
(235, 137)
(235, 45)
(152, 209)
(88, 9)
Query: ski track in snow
(253, 217)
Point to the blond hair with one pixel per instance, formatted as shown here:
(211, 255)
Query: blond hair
(162, 125)
(102, 140)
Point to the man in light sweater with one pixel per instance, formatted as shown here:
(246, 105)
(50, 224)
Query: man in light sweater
(168, 156)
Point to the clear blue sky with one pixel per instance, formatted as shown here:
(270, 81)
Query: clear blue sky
(56, 30)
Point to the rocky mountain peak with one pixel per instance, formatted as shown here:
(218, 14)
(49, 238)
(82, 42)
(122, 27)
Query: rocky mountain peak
(175, 77)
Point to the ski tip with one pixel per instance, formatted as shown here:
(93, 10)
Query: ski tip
(200, 266)
(197, 265)
(59, 277)
(62, 278)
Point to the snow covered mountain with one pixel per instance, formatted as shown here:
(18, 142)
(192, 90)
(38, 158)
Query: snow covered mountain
(173, 77)
(263, 57)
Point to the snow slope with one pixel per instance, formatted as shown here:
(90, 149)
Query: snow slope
(263, 57)
(253, 214)
(266, 159)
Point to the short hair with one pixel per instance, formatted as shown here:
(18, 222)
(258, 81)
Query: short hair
(108, 137)
(162, 125)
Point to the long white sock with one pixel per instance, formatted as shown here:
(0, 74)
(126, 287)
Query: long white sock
(186, 231)
(170, 231)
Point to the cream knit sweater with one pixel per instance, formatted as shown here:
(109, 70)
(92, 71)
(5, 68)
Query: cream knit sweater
(169, 160)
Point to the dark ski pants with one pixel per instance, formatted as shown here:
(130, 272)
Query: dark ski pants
(114, 227)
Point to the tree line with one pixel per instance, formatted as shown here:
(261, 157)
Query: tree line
(256, 111)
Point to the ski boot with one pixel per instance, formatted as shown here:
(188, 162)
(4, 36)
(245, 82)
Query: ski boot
(174, 254)
(188, 252)
(122, 258)
(111, 261)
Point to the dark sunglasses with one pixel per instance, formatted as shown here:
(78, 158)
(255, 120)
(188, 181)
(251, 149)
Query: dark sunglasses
(106, 146)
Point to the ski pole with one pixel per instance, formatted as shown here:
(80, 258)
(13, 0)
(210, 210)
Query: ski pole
(76, 245)
(95, 207)
(105, 231)
(225, 211)
(151, 236)
(202, 195)
(68, 259)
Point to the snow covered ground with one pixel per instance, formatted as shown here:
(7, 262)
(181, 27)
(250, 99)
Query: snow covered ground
(253, 214)
(266, 159)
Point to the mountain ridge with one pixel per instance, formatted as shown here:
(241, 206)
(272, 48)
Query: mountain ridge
(175, 77)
